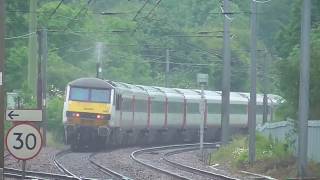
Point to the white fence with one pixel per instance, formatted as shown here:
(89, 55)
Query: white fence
(284, 130)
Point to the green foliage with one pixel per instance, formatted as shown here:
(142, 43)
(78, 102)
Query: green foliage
(134, 50)
(289, 78)
(233, 153)
(236, 153)
(55, 107)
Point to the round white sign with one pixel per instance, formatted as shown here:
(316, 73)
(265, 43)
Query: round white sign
(24, 141)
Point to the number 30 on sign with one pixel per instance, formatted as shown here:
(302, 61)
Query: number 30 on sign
(24, 141)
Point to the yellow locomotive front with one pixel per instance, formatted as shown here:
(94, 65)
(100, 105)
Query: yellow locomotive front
(87, 112)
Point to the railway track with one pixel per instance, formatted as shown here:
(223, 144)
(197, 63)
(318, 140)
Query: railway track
(176, 170)
(248, 175)
(16, 173)
(114, 174)
(108, 173)
(179, 170)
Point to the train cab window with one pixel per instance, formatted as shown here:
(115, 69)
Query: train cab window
(79, 94)
(90, 95)
(100, 95)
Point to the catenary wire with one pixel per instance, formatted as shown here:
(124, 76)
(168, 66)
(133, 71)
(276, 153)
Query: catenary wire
(55, 10)
(21, 36)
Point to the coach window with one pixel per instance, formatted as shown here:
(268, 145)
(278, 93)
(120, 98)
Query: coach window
(157, 107)
(193, 108)
(238, 109)
(214, 108)
(141, 105)
(127, 104)
(259, 109)
(175, 107)
(118, 101)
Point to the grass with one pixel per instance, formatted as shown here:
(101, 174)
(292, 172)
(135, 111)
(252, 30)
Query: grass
(52, 141)
(272, 158)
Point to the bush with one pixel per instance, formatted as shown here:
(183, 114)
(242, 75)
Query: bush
(55, 126)
(238, 149)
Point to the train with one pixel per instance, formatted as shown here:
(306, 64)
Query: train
(104, 113)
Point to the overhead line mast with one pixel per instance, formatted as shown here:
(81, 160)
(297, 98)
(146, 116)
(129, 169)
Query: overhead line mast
(2, 99)
(253, 80)
(304, 89)
(225, 106)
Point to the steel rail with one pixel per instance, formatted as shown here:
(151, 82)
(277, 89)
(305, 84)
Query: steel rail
(12, 175)
(141, 151)
(107, 170)
(192, 169)
(65, 170)
(60, 166)
(19, 172)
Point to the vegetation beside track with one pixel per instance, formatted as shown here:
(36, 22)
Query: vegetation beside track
(273, 158)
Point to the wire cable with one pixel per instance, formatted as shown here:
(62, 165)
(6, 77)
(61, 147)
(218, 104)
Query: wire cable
(262, 2)
(21, 36)
(154, 7)
(55, 10)
(78, 14)
(225, 14)
(139, 11)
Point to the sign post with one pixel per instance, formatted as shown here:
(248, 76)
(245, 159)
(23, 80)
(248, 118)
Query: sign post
(2, 88)
(24, 115)
(202, 80)
(24, 142)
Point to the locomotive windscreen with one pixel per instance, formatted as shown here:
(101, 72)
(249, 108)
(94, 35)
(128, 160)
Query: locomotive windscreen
(90, 95)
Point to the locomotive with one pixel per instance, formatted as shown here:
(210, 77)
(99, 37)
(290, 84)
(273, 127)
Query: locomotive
(106, 113)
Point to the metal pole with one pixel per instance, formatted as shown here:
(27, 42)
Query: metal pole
(44, 59)
(265, 90)
(39, 80)
(24, 169)
(32, 52)
(253, 73)
(2, 92)
(167, 67)
(99, 52)
(202, 109)
(304, 89)
(225, 109)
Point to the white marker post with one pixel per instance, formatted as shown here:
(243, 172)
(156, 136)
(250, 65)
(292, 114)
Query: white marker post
(24, 142)
(202, 80)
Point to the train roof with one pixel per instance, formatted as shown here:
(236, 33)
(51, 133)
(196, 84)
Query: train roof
(90, 82)
(155, 91)
(235, 97)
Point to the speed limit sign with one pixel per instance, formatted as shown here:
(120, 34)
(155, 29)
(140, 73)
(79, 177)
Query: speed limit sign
(24, 141)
